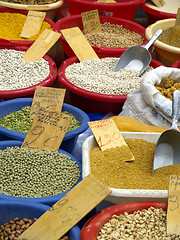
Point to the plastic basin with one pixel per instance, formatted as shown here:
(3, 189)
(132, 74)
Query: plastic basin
(70, 138)
(165, 53)
(76, 21)
(12, 209)
(30, 90)
(123, 9)
(176, 64)
(154, 15)
(92, 227)
(45, 200)
(91, 101)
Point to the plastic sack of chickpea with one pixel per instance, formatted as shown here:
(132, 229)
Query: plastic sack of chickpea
(152, 103)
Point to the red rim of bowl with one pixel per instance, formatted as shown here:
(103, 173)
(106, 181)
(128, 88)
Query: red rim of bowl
(155, 12)
(30, 90)
(120, 21)
(92, 227)
(121, 3)
(88, 94)
(8, 42)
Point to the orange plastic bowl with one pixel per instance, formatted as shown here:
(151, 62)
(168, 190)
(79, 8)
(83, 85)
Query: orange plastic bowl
(76, 21)
(92, 227)
(90, 101)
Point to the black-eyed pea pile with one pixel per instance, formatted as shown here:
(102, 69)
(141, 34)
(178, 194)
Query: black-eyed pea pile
(147, 224)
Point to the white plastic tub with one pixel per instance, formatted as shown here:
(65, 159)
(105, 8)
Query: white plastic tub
(118, 196)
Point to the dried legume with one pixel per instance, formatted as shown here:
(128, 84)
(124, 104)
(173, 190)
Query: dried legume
(147, 224)
(166, 37)
(20, 121)
(15, 73)
(27, 173)
(31, 2)
(114, 36)
(97, 75)
(11, 25)
(108, 166)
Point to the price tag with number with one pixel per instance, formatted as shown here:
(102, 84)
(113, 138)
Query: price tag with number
(32, 24)
(108, 135)
(47, 130)
(173, 211)
(91, 21)
(47, 97)
(41, 46)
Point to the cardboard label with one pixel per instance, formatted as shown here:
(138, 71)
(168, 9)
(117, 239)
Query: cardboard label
(91, 22)
(47, 130)
(41, 46)
(158, 3)
(177, 23)
(47, 97)
(173, 211)
(108, 135)
(176, 29)
(32, 24)
(68, 211)
(79, 44)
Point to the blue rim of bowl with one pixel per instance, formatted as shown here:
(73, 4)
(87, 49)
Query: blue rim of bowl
(45, 200)
(68, 135)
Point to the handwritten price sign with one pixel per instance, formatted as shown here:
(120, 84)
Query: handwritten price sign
(107, 134)
(91, 22)
(173, 212)
(47, 130)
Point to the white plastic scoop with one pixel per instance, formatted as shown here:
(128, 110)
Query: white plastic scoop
(137, 57)
(167, 150)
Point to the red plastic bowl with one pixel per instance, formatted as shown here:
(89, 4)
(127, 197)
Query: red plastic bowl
(76, 21)
(155, 15)
(122, 8)
(92, 227)
(30, 90)
(90, 101)
(18, 43)
(176, 64)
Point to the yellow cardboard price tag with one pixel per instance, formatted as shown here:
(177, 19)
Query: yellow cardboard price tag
(106, 1)
(176, 29)
(41, 46)
(79, 44)
(173, 211)
(47, 130)
(91, 21)
(158, 3)
(108, 136)
(68, 211)
(47, 97)
(32, 24)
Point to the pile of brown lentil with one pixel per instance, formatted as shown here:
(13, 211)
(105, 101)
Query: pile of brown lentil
(110, 168)
(31, 2)
(166, 37)
(114, 36)
(14, 228)
(21, 121)
(147, 224)
(11, 25)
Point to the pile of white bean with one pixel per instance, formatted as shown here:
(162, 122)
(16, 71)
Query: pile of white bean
(97, 75)
(15, 73)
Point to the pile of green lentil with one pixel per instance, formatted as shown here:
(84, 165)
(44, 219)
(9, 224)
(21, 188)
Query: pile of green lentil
(110, 168)
(114, 36)
(35, 173)
(21, 121)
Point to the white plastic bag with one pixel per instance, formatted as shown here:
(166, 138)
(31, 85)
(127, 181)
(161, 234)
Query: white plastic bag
(146, 103)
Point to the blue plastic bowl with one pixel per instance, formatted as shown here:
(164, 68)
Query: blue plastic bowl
(45, 200)
(70, 138)
(12, 209)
